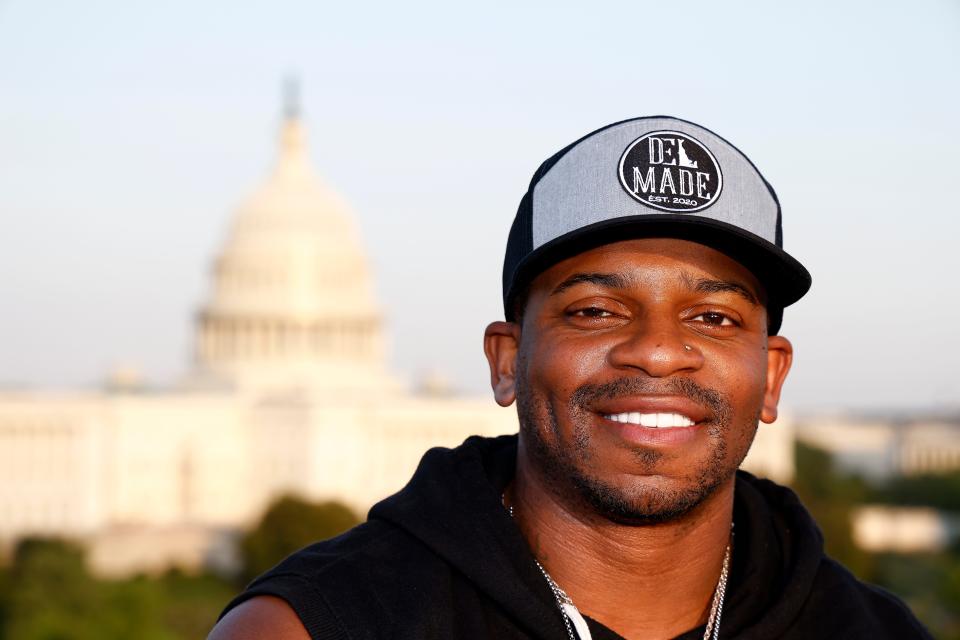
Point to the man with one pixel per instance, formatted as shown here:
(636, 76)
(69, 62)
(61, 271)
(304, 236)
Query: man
(644, 285)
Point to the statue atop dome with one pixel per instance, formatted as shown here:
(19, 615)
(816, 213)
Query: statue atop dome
(291, 98)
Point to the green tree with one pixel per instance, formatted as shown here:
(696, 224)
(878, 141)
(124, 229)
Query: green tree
(831, 496)
(289, 524)
(49, 591)
(191, 603)
(928, 582)
(940, 491)
(49, 595)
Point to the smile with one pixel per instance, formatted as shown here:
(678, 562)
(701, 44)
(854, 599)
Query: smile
(652, 420)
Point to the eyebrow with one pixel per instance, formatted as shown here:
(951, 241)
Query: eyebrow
(618, 281)
(609, 280)
(706, 285)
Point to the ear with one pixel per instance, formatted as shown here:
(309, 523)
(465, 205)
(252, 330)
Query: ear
(779, 359)
(500, 343)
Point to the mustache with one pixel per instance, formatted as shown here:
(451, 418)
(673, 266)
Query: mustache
(586, 395)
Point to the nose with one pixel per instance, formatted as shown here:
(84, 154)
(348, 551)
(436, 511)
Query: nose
(657, 346)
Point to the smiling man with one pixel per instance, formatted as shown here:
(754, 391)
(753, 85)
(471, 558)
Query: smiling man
(644, 286)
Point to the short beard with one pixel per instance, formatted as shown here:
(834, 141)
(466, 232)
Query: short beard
(564, 467)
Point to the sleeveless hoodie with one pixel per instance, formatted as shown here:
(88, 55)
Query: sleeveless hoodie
(442, 559)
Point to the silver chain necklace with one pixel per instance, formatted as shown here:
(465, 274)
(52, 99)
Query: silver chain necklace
(576, 625)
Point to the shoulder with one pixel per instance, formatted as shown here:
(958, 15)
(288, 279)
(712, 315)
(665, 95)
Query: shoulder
(816, 597)
(841, 603)
(374, 548)
(260, 617)
(316, 591)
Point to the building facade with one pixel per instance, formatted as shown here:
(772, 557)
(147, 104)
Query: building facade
(877, 448)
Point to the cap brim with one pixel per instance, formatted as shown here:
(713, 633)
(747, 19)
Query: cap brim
(784, 279)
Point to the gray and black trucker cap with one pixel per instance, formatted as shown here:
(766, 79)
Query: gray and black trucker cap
(652, 177)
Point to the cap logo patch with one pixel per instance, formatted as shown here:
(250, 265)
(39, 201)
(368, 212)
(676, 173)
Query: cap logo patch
(670, 171)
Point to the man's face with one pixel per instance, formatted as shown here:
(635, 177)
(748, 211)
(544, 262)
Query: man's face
(657, 331)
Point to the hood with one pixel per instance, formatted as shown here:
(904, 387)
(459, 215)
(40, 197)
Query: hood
(778, 549)
(453, 506)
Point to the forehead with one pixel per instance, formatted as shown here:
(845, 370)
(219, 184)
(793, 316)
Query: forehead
(651, 261)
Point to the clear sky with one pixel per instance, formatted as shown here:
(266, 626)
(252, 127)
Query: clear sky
(130, 130)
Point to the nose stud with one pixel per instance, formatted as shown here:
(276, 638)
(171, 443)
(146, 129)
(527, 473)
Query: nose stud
(688, 347)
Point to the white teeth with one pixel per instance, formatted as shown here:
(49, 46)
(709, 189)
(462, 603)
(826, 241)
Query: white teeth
(652, 420)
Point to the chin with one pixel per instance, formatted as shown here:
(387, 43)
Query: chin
(646, 501)
(640, 498)
(633, 485)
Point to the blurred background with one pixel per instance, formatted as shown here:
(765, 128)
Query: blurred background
(248, 251)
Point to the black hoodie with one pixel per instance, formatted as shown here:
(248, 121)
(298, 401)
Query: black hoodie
(443, 559)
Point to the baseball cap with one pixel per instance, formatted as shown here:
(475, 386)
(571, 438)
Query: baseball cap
(655, 176)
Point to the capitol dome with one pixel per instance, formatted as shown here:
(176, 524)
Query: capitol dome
(292, 301)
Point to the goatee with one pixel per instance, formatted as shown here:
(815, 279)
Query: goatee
(567, 468)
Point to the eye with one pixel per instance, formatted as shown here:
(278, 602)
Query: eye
(595, 313)
(716, 319)
(591, 312)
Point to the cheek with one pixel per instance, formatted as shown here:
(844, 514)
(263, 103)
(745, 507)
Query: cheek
(744, 379)
(571, 360)
(564, 365)
(546, 381)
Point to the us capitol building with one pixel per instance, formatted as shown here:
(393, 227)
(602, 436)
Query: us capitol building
(289, 393)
